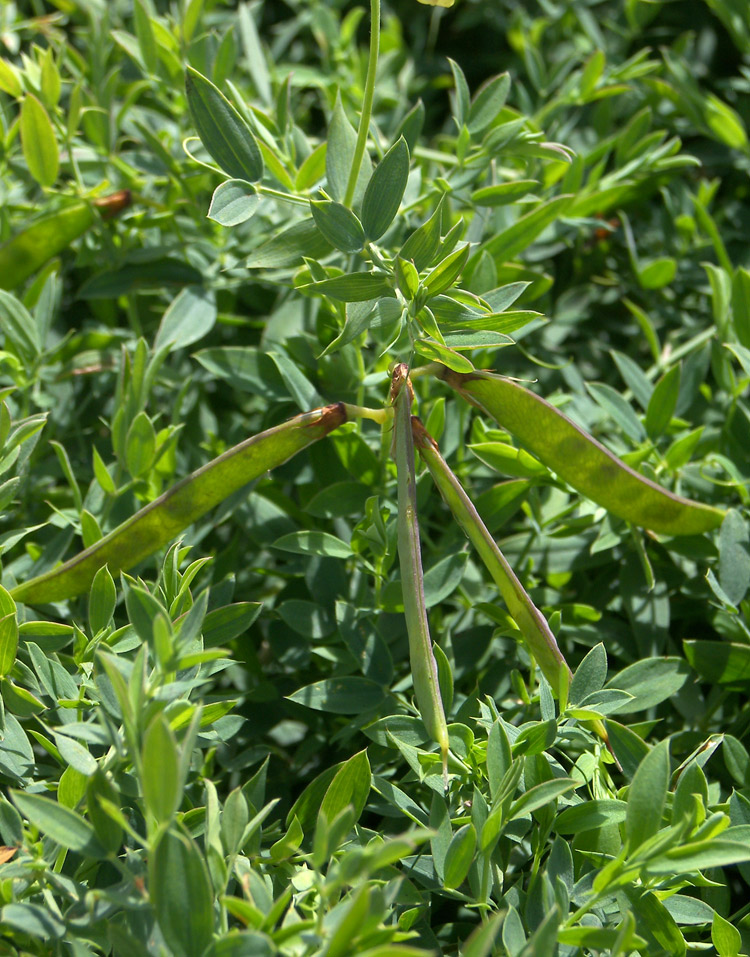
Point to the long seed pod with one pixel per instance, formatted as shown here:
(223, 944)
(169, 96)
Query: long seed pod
(163, 519)
(423, 665)
(27, 252)
(580, 460)
(531, 622)
(527, 616)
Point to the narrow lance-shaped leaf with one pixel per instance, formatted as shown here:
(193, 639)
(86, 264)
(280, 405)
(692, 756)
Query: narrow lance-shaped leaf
(580, 460)
(164, 518)
(423, 664)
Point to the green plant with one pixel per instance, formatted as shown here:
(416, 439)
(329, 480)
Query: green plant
(525, 833)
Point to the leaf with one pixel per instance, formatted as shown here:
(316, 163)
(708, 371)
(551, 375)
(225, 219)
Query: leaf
(734, 557)
(723, 662)
(351, 785)
(590, 675)
(503, 193)
(342, 140)
(590, 816)
(647, 796)
(487, 103)
(164, 518)
(725, 937)
(423, 244)
(190, 315)
(663, 402)
(180, 892)
(539, 796)
(233, 202)
(385, 190)
(338, 225)
(140, 445)
(61, 824)
(18, 326)
(516, 238)
(349, 695)
(582, 461)
(439, 353)
(290, 247)
(8, 632)
(650, 681)
(358, 287)
(222, 130)
(459, 857)
(38, 141)
(33, 920)
(314, 543)
(162, 787)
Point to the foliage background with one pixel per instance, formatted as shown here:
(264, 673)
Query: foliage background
(647, 275)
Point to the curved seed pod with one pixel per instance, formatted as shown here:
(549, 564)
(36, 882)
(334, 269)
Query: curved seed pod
(164, 518)
(580, 460)
(531, 622)
(527, 616)
(22, 255)
(423, 665)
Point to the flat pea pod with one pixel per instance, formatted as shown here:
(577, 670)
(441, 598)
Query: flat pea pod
(29, 250)
(423, 665)
(532, 624)
(163, 519)
(580, 460)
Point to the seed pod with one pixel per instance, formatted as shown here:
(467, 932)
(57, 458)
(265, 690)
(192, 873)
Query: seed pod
(423, 665)
(163, 519)
(27, 252)
(580, 460)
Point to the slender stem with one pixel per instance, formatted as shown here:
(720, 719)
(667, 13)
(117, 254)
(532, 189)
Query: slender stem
(362, 412)
(364, 117)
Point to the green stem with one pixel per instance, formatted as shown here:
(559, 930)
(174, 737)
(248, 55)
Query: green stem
(364, 117)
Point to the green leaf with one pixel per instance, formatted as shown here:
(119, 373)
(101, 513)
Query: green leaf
(741, 305)
(290, 247)
(657, 273)
(662, 403)
(439, 353)
(313, 543)
(447, 272)
(140, 445)
(647, 796)
(734, 557)
(38, 141)
(423, 244)
(590, 816)
(8, 632)
(342, 140)
(522, 233)
(190, 315)
(19, 326)
(503, 193)
(351, 785)
(350, 695)
(338, 225)
(358, 287)
(222, 130)
(33, 920)
(144, 31)
(582, 461)
(180, 892)
(459, 857)
(725, 937)
(590, 675)
(487, 103)
(385, 190)
(540, 795)
(723, 662)
(655, 922)
(700, 855)
(61, 824)
(233, 202)
(162, 787)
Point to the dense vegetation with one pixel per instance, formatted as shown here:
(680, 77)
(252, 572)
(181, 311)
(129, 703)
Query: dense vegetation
(212, 738)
